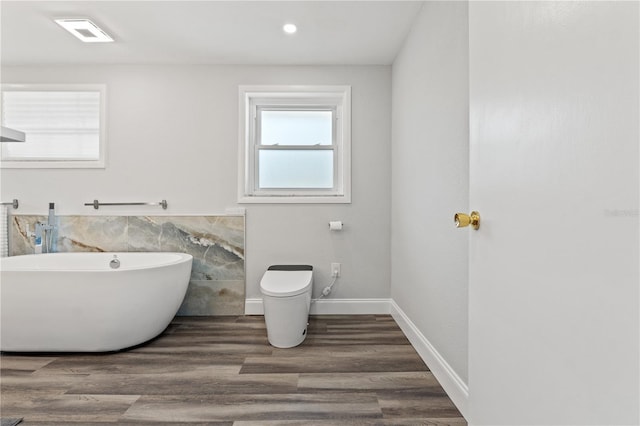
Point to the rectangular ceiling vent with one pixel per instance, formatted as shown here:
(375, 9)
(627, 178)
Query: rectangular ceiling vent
(84, 30)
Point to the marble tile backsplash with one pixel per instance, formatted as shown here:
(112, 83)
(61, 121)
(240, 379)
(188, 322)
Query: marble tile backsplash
(217, 285)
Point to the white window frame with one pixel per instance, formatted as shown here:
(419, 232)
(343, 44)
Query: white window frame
(327, 98)
(100, 163)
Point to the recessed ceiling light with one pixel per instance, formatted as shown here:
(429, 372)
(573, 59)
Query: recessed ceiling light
(85, 30)
(289, 28)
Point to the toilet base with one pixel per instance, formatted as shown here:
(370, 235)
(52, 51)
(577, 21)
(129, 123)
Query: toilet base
(286, 342)
(286, 319)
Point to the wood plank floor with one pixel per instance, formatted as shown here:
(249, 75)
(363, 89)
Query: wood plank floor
(351, 370)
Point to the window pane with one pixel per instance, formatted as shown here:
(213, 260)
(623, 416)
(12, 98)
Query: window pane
(296, 128)
(295, 169)
(58, 125)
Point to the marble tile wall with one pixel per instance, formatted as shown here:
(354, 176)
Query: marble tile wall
(217, 285)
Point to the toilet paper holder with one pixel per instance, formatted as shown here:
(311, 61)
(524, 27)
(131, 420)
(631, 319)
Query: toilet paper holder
(335, 225)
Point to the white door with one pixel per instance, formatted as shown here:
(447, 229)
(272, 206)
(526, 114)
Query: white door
(553, 292)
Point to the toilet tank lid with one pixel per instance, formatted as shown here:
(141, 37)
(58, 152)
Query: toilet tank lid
(290, 268)
(285, 283)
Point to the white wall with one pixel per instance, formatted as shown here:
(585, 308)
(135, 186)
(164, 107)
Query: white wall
(173, 134)
(430, 179)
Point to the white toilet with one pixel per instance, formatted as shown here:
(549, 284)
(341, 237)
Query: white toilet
(286, 296)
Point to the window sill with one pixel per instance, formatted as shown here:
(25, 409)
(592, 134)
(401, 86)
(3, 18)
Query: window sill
(279, 199)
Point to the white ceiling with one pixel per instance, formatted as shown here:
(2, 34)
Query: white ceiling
(208, 32)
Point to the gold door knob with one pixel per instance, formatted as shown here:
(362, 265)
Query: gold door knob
(463, 220)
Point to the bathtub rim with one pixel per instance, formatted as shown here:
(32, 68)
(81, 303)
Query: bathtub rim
(5, 262)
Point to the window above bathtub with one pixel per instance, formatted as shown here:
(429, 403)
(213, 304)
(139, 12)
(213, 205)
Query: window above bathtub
(295, 144)
(64, 125)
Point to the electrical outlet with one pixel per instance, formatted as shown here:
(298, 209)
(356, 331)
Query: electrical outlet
(335, 270)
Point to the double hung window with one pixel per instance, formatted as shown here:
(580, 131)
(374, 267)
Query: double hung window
(295, 144)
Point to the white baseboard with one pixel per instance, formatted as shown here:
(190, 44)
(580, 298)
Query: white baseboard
(453, 385)
(350, 307)
(253, 307)
(331, 307)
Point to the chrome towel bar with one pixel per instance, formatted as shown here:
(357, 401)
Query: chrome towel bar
(96, 204)
(13, 203)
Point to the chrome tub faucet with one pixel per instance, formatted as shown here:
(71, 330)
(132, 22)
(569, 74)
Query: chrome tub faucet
(45, 233)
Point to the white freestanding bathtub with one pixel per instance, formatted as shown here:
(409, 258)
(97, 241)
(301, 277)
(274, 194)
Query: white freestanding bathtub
(75, 302)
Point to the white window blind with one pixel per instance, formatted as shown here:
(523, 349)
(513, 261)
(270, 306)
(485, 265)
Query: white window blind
(62, 127)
